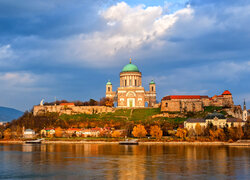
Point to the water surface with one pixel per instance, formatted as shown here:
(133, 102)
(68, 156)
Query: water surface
(111, 161)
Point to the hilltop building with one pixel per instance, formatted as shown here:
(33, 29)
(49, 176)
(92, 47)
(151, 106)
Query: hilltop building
(217, 119)
(131, 93)
(195, 103)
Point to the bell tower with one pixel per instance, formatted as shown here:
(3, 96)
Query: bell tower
(152, 94)
(244, 115)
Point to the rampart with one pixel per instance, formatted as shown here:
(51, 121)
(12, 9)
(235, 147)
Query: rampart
(71, 109)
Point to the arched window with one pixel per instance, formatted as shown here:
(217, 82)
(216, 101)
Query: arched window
(125, 82)
(135, 83)
(108, 88)
(152, 88)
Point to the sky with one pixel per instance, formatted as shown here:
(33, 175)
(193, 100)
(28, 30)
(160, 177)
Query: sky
(69, 49)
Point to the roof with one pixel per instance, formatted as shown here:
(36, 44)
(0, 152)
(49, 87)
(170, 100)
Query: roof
(195, 120)
(234, 120)
(29, 130)
(152, 82)
(215, 114)
(183, 97)
(226, 92)
(74, 129)
(130, 68)
(67, 104)
(109, 83)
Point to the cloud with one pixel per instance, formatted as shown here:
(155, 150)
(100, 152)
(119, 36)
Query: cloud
(191, 47)
(14, 79)
(5, 52)
(127, 29)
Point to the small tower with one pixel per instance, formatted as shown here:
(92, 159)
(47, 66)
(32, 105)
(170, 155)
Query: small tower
(108, 87)
(244, 115)
(152, 94)
(152, 86)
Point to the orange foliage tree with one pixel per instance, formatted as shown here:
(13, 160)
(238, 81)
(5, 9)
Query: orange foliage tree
(155, 131)
(139, 131)
(7, 133)
(58, 132)
(116, 134)
(198, 129)
(181, 133)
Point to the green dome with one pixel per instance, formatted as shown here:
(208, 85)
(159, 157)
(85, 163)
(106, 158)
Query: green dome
(109, 83)
(152, 82)
(130, 68)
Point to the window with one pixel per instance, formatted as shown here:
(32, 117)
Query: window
(130, 82)
(152, 88)
(125, 82)
(135, 83)
(108, 88)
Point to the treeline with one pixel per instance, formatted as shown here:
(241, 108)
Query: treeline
(102, 102)
(158, 127)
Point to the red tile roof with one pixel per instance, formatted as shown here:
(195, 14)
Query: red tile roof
(184, 97)
(67, 104)
(226, 93)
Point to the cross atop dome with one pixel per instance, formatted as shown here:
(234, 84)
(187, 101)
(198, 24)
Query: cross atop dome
(130, 60)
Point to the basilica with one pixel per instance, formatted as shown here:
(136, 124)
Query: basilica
(131, 93)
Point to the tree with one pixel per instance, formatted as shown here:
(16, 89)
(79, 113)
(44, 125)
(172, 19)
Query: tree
(7, 133)
(58, 132)
(116, 134)
(246, 129)
(198, 129)
(191, 132)
(92, 102)
(181, 133)
(239, 132)
(220, 134)
(139, 131)
(156, 132)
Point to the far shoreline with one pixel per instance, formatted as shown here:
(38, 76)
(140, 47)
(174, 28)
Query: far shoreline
(217, 143)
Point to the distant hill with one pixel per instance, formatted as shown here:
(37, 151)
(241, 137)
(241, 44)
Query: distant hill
(8, 114)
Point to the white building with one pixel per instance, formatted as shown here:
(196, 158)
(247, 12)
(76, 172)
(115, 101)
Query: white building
(217, 119)
(29, 133)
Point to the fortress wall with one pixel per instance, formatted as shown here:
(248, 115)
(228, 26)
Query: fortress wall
(61, 109)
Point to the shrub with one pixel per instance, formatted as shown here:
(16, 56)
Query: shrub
(116, 134)
(139, 131)
(156, 132)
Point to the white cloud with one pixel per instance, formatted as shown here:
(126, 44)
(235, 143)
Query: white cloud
(17, 78)
(5, 52)
(128, 29)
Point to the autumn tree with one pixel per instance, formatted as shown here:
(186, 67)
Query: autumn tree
(156, 132)
(191, 132)
(58, 132)
(198, 129)
(181, 133)
(7, 133)
(220, 135)
(116, 134)
(246, 129)
(239, 132)
(139, 131)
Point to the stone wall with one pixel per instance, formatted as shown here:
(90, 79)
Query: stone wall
(183, 105)
(61, 109)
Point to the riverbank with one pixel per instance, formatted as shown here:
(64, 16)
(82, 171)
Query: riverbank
(247, 144)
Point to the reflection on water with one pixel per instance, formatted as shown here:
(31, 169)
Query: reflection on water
(109, 161)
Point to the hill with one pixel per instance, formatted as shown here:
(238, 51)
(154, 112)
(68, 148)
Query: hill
(8, 114)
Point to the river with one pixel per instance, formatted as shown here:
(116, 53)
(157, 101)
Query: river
(112, 161)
